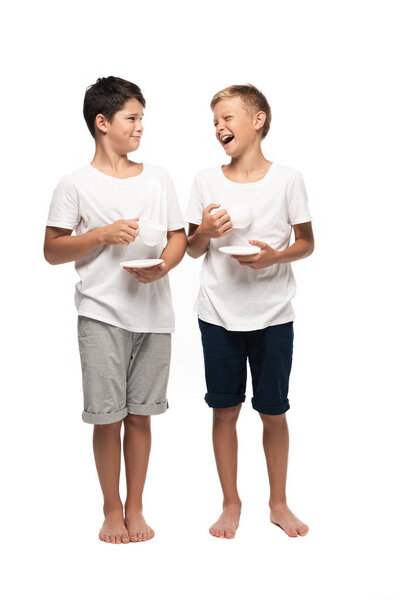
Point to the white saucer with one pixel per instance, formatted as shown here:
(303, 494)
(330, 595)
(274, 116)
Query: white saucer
(142, 263)
(240, 250)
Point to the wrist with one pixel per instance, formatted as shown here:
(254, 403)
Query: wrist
(100, 236)
(201, 233)
(168, 266)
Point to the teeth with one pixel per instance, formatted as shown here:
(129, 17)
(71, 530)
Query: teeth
(227, 137)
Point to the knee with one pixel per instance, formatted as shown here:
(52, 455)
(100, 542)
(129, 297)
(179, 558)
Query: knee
(273, 421)
(108, 428)
(142, 421)
(226, 415)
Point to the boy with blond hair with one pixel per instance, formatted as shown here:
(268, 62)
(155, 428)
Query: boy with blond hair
(124, 325)
(244, 302)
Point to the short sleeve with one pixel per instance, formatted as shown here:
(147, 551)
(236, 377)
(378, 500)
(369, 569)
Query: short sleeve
(297, 201)
(64, 207)
(175, 217)
(194, 212)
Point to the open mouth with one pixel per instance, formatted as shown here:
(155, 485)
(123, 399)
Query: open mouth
(226, 139)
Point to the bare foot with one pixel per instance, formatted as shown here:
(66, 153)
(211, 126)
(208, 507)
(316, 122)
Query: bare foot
(228, 522)
(114, 530)
(138, 530)
(286, 520)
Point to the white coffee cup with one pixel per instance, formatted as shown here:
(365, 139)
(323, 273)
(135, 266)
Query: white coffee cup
(241, 216)
(151, 233)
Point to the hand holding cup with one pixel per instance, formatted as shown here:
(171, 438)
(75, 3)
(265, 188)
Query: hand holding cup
(121, 232)
(215, 225)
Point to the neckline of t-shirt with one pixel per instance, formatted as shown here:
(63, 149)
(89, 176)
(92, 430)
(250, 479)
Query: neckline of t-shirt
(246, 183)
(119, 179)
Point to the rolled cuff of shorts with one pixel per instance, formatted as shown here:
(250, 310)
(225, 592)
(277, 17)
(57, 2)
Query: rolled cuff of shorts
(147, 409)
(104, 418)
(273, 410)
(224, 400)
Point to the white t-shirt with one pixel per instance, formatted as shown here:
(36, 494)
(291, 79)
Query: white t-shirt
(237, 297)
(86, 199)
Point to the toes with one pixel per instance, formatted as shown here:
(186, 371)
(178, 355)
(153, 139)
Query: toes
(102, 537)
(107, 539)
(230, 534)
(140, 537)
(112, 539)
(125, 539)
(221, 533)
(134, 537)
(303, 530)
(291, 532)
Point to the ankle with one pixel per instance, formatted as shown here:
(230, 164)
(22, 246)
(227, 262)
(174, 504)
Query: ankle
(112, 508)
(131, 507)
(232, 503)
(276, 504)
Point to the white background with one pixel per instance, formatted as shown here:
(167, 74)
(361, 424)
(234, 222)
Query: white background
(329, 71)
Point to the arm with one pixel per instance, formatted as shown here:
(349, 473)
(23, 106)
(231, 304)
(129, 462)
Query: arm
(172, 255)
(62, 247)
(211, 226)
(197, 241)
(302, 247)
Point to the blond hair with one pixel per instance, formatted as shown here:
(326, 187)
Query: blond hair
(251, 98)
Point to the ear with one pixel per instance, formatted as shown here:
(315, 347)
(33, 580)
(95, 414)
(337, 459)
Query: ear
(259, 120)
(101, 122)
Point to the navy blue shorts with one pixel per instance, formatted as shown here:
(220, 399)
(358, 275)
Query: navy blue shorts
(269, 351)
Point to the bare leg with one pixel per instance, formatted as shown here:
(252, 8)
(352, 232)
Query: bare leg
(137, 444)
(225, 450)
(276, 448)
(107, 453)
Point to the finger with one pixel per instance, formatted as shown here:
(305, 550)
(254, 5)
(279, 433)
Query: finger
(155, 268)
(135, 220)
(226, 226)
(211, 207)
(224, 218)
(133, 274)
(220, 214)
(126, 239)
(142, 272)
(240, 257)
(259, 244)
(128, 236)
(246, 263)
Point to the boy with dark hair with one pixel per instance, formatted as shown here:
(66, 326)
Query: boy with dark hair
(244, 302)
(124, 326)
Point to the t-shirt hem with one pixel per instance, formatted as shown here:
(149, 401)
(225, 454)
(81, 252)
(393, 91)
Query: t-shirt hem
(61, 224)
(232, 327)
(123, 326)
(301, 220)
(175, 226)
(194, 221)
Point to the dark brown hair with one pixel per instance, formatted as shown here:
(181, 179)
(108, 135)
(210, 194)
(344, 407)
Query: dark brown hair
(106, 97)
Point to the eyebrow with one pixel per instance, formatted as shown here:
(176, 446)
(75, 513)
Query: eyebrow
(134, 114)
(228, 114)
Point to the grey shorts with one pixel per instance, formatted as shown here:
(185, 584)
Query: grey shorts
(122, 372)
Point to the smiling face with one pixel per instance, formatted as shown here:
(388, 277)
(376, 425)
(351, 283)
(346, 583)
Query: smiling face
(237, 128)
(124, 131)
